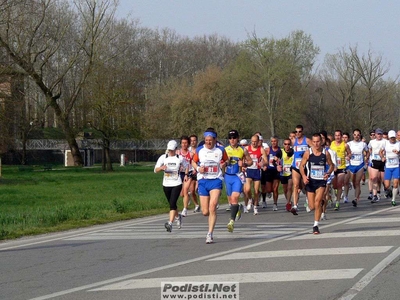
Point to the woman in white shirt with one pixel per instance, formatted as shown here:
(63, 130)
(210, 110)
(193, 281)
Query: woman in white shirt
(171, 163)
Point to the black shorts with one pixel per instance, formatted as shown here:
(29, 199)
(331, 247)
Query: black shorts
(340, 171)
(379, 165)
(285, 179)
(314, 185)
(272, 174)
(192, 175)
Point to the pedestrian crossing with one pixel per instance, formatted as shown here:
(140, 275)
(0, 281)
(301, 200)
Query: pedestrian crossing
(194, 231)
(382, 255)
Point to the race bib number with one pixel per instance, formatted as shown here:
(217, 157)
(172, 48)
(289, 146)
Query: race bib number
(376, 157)
(297, 162)
(171, 176)
(356, 157)
(211, 169)
(338, 161)
(286, 170)
(392, 162)
(317, 172)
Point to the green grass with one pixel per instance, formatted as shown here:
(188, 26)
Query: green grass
(39, 202)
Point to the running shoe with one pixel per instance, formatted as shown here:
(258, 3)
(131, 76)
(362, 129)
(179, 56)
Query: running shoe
(197, 209)
(269, 195)
(375, 199)
(168, 226)
(249, 204)
(245, 210)
(209, 238)
(370, 196)
(239, 213)
(275, 207)
(179, 221)
(345, 199)
(315, 230)
(184, 212)
(306, 206)
(264, 204)
(363, 182)
(293, 210)
(337, 204)
(288, 206)
(354, 202)
(231, 225)
(378, 195)
(393, 203)
(323, 216)
(255, 209)
(229, 207)
(329, 203)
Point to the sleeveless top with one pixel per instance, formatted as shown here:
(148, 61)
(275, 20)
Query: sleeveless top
(235, 155)
(340, 154)
(255, 156)
(272, 154)
(315, 167)
(286, 164)
(299, 150)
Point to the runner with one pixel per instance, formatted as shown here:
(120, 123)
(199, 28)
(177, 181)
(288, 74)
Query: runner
(186, 155)
(209, 160)
(342, 154)
(286, 174)
(359, 158)
(300, 146)
(234, 177)
(193, 174)
(377, 170)
(253, 174)
(314, 175)
(273, 170)
(170, 164)
(390, 155)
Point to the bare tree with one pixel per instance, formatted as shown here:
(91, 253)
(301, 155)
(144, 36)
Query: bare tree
(55, 45)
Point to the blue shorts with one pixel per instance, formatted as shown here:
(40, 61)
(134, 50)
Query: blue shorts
(207, 185)
(391, 173)
(254, 174)
(233, 184)
(355, 169)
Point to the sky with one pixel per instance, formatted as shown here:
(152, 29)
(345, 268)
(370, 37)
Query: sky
(333, 24)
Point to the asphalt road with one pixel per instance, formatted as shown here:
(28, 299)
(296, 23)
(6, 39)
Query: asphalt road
(273, 255)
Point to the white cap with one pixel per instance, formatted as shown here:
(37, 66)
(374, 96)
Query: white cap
(172, 145)
(243, 142)
(391, 134)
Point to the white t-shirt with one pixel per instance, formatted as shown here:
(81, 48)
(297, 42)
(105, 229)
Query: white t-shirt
(171, 174)
(375, 147)
(392, 159)
(357, 152)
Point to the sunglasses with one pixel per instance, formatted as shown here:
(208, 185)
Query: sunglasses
(232, 138)
(286, 144)
(299, 131)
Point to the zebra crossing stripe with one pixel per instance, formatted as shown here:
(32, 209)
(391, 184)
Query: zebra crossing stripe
(286, 276)
(348, 234)
(304, 252)
(375, 220)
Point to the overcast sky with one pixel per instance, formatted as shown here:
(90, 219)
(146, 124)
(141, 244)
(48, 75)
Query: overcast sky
(334, 24)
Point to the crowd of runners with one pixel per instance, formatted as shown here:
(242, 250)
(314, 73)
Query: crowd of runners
(324, 167)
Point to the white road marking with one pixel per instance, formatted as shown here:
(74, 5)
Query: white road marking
(348, 234)
(287, 276)
(304, 252)
(360, 285)
(375, 220)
